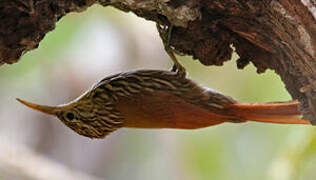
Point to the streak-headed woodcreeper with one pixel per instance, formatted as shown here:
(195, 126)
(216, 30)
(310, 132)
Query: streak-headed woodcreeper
(160, 99)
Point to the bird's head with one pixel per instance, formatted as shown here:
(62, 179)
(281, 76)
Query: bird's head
(85, 117)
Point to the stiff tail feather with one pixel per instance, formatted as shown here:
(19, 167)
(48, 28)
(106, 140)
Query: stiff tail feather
(275, 112)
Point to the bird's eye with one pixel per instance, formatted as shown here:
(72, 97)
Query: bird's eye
(70, 115)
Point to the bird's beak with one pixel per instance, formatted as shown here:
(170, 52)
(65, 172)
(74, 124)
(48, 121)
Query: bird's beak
(42, 108)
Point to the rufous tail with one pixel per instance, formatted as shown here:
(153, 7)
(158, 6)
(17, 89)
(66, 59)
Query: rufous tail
(276, 112)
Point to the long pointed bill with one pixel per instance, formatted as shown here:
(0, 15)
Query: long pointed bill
(42, 108)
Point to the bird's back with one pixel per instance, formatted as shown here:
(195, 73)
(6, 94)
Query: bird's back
(129, 84)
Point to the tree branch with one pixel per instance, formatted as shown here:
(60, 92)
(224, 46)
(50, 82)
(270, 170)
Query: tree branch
(275, 34)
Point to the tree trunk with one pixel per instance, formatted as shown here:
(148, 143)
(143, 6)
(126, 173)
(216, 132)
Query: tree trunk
(275, 34)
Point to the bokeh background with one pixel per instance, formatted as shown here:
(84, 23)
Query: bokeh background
(89, 46)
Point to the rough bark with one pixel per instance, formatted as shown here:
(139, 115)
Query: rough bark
(275, 34)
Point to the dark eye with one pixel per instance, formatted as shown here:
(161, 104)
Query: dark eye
(70, 115)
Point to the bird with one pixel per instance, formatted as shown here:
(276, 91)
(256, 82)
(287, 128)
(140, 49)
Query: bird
(160, 99)
(154, 99)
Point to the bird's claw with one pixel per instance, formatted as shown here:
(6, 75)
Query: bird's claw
(165, 34)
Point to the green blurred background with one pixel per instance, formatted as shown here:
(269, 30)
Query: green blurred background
(91, 45)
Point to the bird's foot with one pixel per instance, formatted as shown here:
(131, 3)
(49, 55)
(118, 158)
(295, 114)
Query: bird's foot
(165, 34)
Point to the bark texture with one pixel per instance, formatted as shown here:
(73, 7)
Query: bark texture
(275, 34)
